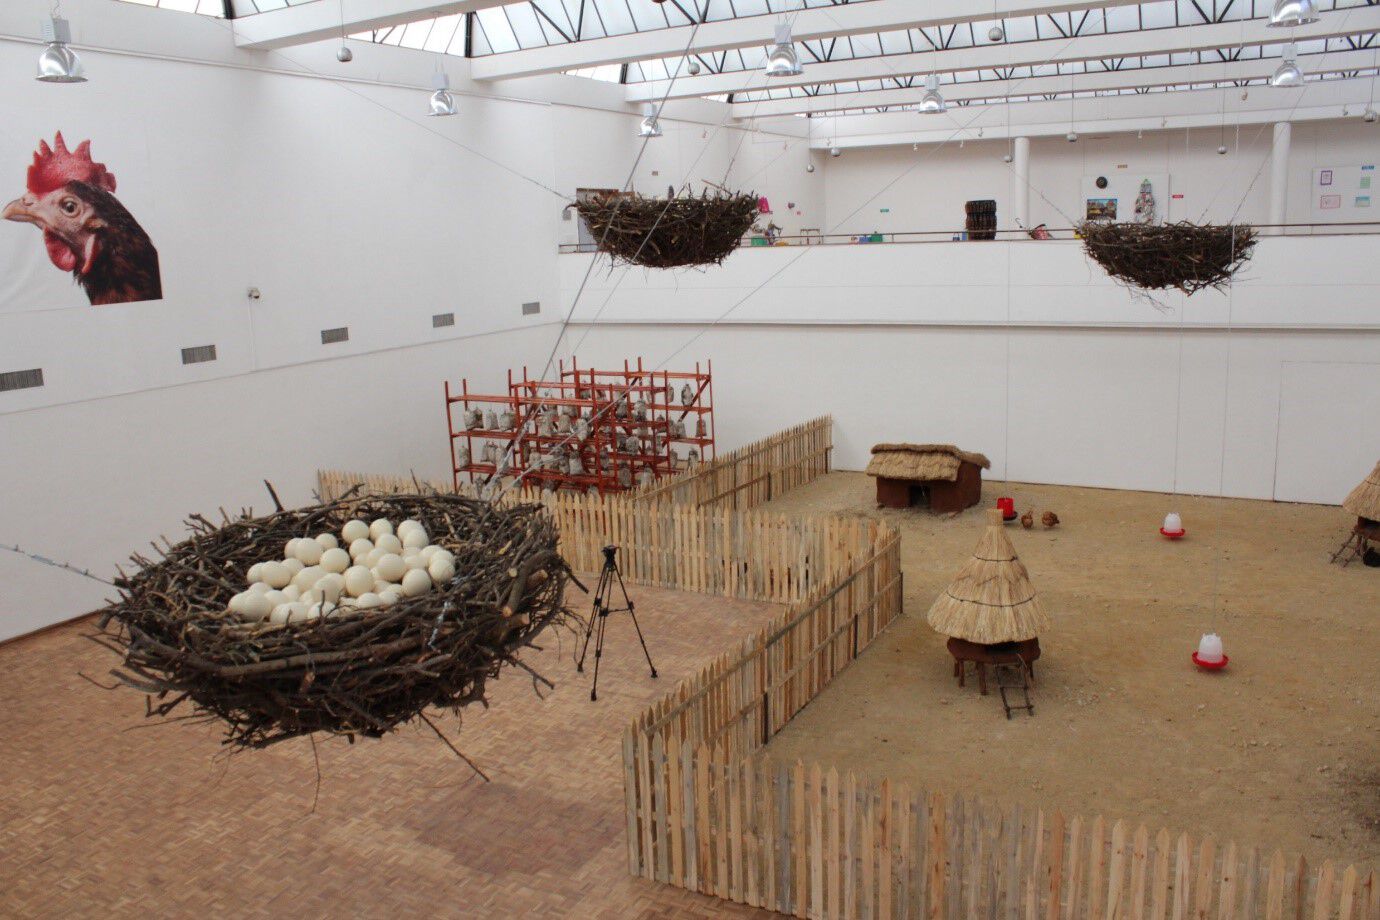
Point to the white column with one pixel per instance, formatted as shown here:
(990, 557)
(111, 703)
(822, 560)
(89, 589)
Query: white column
(1279, 172)
(1020, 183)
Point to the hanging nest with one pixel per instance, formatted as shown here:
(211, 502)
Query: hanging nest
(357, 673)
(1184, 256)
(669, 232)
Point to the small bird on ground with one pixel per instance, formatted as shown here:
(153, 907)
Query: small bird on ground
(1028, 519)
(1049, 519)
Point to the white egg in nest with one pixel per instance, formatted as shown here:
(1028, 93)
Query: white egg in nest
(407, 525)
(441, 570)
(335, 560)
(416, 583)
(290, 548)
(360, 547)
(359, 581)
(307, 613)
(277, 597)
(354, 530)
(379, 528)
(255, 572)
(310, 597)
(259, 587)
(276, 575)
(308, 577)
(327, 541)
(415, 561)
(292, 593)
(294, 565)
(372, 557)
(309, 551)
(389, 543)
(428, 551)
(368, 601)
(391, 567)
(381, 586)
(415, 537)
(330, 586)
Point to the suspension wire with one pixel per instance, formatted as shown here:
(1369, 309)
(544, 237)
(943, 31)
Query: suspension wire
(54, 563)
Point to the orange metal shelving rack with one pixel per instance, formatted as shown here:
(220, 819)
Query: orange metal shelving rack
(590, 429)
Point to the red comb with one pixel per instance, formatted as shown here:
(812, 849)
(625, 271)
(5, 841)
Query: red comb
(55, 166)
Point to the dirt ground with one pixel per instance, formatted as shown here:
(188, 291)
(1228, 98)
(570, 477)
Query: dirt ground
(1278, 750)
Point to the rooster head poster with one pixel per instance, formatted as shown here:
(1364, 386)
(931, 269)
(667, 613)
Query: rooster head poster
(84, 229)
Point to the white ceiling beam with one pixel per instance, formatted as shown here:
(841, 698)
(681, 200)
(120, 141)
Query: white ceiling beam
(749, 31)
(1017, 54)
(1333, 62)
(1107, 115)
(321, 21)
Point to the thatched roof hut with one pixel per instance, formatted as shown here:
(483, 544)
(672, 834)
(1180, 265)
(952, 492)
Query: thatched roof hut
(922, 461)
(991, 599)
(1364, 500)
(939, 475)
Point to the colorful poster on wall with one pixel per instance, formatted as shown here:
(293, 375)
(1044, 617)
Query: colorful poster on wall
(1101, 209)
(85, 229)
(1330, 202)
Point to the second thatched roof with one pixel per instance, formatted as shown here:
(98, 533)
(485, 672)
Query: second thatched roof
(1364, 500)
(991, 598)
(921, 461)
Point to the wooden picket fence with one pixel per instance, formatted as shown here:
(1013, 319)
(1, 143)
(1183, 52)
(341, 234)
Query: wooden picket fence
(753, 474)
(812, 842)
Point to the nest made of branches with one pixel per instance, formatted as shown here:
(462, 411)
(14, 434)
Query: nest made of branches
(1184, 256)
(356, 673)
(669, 232)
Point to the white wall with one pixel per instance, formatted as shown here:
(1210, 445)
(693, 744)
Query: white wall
(1029, 353)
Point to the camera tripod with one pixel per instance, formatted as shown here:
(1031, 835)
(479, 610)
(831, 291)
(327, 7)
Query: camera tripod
(598, 618)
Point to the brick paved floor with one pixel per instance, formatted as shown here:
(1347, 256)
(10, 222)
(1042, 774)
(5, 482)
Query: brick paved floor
(105, 814)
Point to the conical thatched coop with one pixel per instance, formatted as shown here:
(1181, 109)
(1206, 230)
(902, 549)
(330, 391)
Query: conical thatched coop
(1364, 500)
(990, 610)
(937, 475)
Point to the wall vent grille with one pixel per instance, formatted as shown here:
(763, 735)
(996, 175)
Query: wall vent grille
(442, 319)
(530, 308)
(21, 380)
(331, 336)
(198, 353)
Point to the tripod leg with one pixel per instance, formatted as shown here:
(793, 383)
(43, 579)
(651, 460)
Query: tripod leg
(599, 651)
(600, 591)
(633, 614)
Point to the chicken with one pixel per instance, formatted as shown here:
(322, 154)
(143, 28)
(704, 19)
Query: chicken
(1028, 519)
(1049, 519)
(86, 229)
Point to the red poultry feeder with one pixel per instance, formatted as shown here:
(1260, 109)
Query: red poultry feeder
(1007, 507)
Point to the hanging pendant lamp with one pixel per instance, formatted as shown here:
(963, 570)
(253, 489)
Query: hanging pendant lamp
(932, 103)
(1287, 75)
(1293, 13)
(650, 126)
(782, 61)
(59, 63)
(442, 102)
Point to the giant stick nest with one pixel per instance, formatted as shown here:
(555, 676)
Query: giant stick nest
(1184, 256)
(360, 672)
(669, 232)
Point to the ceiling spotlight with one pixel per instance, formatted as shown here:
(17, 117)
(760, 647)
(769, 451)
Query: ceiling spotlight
(1222, 149)
(1370, 117)
(782, 60)
(344, 55)
(995, 34)
(1006, 158)
(442, 102)
(693, 67)
(650, 127)
(58, 63)
(1293, 13)
(835, 152)
(1288, 73)
(809, 167)
(932, 103)
(1071, 137)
